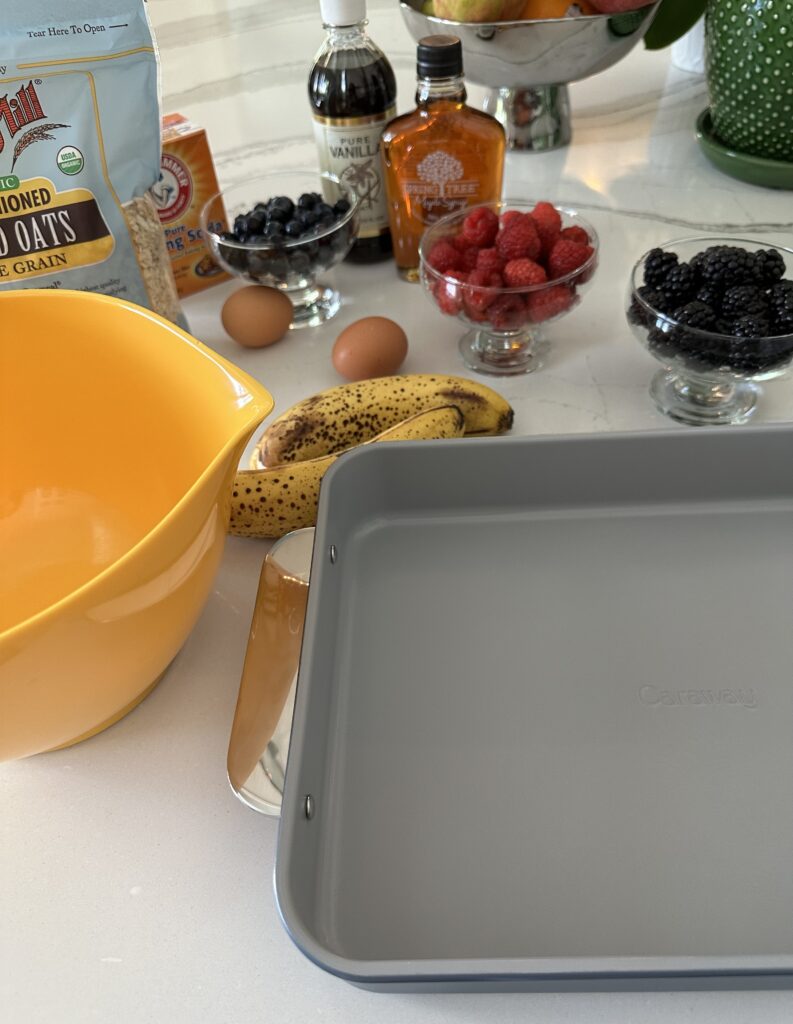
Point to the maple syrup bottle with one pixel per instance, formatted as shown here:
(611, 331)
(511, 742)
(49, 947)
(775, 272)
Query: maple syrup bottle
(442, 156)
(352, 90)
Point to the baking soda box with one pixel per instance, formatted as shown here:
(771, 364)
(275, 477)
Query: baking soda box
(187, 180)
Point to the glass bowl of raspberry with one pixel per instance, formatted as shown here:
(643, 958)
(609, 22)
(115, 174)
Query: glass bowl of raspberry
(717, 313)
(286, 230)
(506, 270)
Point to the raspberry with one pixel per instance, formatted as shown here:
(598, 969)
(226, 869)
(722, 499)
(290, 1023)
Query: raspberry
(521, 273)
(443, 257)
(510, 217)
(519, 239)
(488, 259)
(480, 292)
(549, 302)
(508, 312)
(481, 226)
(448, 294)
(549, 225)
(566, 257)
(469, 258)
(575, 234)
(460, 243)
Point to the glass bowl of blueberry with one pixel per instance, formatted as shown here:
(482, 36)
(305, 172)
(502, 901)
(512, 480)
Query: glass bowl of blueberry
(287, 228)
(717, 313)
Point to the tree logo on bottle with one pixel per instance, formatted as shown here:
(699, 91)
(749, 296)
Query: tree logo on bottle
(440, 168)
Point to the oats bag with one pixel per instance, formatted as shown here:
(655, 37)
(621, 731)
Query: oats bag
(79, 150)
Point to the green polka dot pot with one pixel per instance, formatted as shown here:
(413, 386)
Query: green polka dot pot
(749, 63)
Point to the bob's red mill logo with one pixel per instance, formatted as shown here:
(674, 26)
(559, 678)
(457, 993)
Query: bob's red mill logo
(18, 111)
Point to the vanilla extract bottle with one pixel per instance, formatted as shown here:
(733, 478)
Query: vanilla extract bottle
(352, 90)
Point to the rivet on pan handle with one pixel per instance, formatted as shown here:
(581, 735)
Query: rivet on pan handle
(259, 740)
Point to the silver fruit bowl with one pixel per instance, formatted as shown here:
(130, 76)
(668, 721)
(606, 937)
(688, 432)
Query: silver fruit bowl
(528, 64)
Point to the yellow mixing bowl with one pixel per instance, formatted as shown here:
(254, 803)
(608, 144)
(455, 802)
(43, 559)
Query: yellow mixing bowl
(119, 438)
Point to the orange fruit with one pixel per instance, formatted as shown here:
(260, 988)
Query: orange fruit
(537, 9)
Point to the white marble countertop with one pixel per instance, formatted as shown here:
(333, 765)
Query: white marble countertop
(135, 888)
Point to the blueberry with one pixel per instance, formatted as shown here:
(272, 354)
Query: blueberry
(259, 266)
(279, 267)
(255, 223)
(228, 236)
(241, 227)
(299, 263)
(277, 215)
(293, 229)
(307, 201)
(257, 239)
(339, 240)
(341, 206)
(260, 208)
(326, 256)
(274, 230)
(284, 204)
(323, 210)
(306, 217)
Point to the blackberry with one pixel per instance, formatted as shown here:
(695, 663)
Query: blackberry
(680, 284)
(749, 326)
(726, 265)
(639, 314)
(744, 298)
(709, 294)
(697, 315)
(768, 267)
(657, 265)
(780, 302)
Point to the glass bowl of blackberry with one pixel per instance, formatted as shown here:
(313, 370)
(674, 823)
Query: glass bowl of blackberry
(284, 230)
(717, 313)
(507, 270)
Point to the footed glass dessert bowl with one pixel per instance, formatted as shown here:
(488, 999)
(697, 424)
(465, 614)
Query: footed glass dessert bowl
(285, 230)
(506, 270)
(717, 313)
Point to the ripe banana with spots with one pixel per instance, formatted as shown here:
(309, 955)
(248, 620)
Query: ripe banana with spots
(271, 502)
(351, 414)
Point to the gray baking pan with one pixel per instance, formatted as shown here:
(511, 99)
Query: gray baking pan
(543, 736)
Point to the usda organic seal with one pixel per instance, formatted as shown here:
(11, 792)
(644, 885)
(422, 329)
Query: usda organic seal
(70, 160)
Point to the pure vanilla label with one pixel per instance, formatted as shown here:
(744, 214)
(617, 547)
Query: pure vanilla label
(350, 149)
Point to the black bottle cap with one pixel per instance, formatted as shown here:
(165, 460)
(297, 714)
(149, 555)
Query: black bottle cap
(439, 57)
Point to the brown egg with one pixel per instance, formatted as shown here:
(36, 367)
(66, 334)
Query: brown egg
(256, 316)
(372, 347)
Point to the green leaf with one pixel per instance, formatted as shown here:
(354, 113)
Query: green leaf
(673, 20)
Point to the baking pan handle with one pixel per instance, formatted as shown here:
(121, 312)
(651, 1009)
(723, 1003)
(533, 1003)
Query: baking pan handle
(262, 721)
